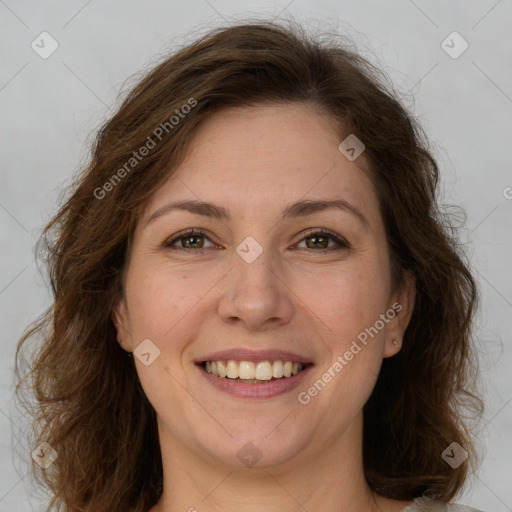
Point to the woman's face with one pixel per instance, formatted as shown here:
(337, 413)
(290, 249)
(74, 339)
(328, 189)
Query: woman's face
(258, 285)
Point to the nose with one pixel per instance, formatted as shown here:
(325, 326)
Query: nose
(257, 295)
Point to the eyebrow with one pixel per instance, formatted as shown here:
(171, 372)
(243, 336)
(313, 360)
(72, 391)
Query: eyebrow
(298, 209)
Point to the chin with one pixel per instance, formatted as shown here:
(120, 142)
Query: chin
(262, 443)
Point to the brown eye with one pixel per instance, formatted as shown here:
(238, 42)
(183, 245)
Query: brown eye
(320, 240)
(191, 239)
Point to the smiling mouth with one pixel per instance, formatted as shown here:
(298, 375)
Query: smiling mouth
(250, 372)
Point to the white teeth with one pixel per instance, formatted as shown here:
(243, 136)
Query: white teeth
(232, 370)
(264, 371)
(277, 369)
(246, 370)
(253, 372)
(221, 369)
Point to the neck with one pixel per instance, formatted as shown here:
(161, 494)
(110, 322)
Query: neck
(333, 480)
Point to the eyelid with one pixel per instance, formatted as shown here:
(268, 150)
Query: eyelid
(337, 239)
(168, 243)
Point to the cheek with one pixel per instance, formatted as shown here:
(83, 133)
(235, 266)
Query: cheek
(345, 301)
(161, 297)
(357, 299)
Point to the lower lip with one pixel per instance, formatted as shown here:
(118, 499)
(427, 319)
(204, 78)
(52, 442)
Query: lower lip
(264, 390)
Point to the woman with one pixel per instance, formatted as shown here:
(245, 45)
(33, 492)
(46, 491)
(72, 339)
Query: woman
(257, 304)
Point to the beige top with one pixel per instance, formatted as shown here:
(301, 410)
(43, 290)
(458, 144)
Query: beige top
(424, 504)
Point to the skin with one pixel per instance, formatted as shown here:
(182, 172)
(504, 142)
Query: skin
(255, 161)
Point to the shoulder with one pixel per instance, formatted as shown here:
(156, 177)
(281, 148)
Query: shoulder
(424, 504)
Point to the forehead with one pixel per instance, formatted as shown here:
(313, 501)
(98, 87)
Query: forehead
(255, 160)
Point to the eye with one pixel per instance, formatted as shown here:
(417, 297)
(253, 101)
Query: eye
(191, 239)
(320, 240)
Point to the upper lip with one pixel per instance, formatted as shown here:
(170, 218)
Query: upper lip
(243, 354)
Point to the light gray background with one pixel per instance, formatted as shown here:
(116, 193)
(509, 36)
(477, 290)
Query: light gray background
(51, 106)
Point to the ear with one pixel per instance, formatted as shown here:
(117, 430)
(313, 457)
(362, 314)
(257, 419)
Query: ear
(403, 305)
(121, 320)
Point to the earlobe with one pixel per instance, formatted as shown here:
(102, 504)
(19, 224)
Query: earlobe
(404, 307)
(392, 347)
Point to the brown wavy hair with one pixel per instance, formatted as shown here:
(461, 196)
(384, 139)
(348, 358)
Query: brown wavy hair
(89, 404)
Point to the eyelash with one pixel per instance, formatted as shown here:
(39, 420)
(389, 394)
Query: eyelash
(316, 232)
